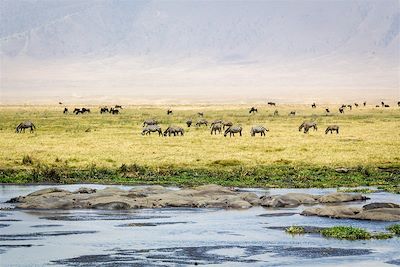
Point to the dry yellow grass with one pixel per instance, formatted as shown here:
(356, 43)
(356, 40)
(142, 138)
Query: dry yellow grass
(368, 136)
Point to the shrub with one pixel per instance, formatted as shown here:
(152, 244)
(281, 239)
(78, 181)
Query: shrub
(395, 229)
(295, 230)
(27, 160)
(382, 235)
(346, 232)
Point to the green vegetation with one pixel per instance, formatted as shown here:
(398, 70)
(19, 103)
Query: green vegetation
(114, 151)
(395, 229)
(347, 232)
(295, 230)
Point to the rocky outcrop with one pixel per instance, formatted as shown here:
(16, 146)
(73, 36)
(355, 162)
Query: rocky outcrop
(373, 211)
(297, 199)
(206, 196)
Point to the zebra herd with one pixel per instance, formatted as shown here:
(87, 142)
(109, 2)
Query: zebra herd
(113, 110)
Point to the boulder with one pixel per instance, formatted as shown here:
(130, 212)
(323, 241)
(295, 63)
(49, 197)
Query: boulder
(341, 197)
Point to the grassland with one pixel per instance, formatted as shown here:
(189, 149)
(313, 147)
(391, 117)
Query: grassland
(110, 149)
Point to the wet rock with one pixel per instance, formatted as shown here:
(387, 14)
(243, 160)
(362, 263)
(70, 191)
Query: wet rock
(85, 190)
(47, 191)
(346, 212)
(380, 205)
(341, 197)
(288, 200)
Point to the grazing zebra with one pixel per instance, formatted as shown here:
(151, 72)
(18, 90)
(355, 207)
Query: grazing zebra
(332, 128)
(343, 106)
(226, 124)
(356, 105)
(232, 130)
(382, 104)
(216, 127)
(313, 105)
(365, 103)
(65, 111)
(253, 110)
(276, 113)
(327, 110)
(271, 103)
(307, 126)
(341, 110)
(77, 111)
(150, 122)
(377, 106)
(202, 122)
(387, 106)
(189, 122)
(104, 110)
(60, 103)
(350, 107)
(151, 129)
(216, 122)
(258, 129)
(25, 125)
(292, 113)
(118, 106)
(398, 103)
(201, 114)
(114, 111)
(169, 112)
(175, 130)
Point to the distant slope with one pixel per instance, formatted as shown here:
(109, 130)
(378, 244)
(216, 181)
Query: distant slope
(148, 47)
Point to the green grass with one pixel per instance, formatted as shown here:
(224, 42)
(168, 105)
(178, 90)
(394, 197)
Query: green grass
(295, 230)
(114, 151)
(346, 232)
(395, 229)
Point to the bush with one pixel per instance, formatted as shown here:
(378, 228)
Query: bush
(395, 229)
(27, 160)
(295, 230)
(382, 235)
(346, 232)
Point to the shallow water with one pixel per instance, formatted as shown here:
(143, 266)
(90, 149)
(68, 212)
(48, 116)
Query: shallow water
(164, 237)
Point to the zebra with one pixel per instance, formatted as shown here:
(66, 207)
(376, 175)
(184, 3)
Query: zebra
(118, 106)
(292, 113)
(202, 122)
(387, 106)
(114, 111)
(169, 111)
(356, 105)
(332, 128)
(200, 114)
(313, 105)
(377, 106)
(327, 110)
(341, 110)
(216, 122)
(232, 130)
(151, 129)
(150, 122)
(83, 110)
(104, 110)
(307, 126)
(253, 110)
(216, 127)
(189, 122)
(25, 125)
(77, 111)
(175, 130)
(383, 104)
(365, 103)
(350, 107)
(276, 113)
(271, 104)
(258, 129)
(65, 111)
(398, 103)
(226, 124)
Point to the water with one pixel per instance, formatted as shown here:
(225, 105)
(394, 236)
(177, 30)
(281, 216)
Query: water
(180, 237)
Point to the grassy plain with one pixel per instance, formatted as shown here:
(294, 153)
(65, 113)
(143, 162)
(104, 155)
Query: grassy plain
(110, 149)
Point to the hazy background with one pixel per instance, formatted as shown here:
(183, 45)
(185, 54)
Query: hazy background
(188, 51)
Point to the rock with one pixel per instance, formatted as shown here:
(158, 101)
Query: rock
(380, 205)
(85, 190)
(341, 197)
(346, 212)
(288, 200)
(47, 191)
(342, 170)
